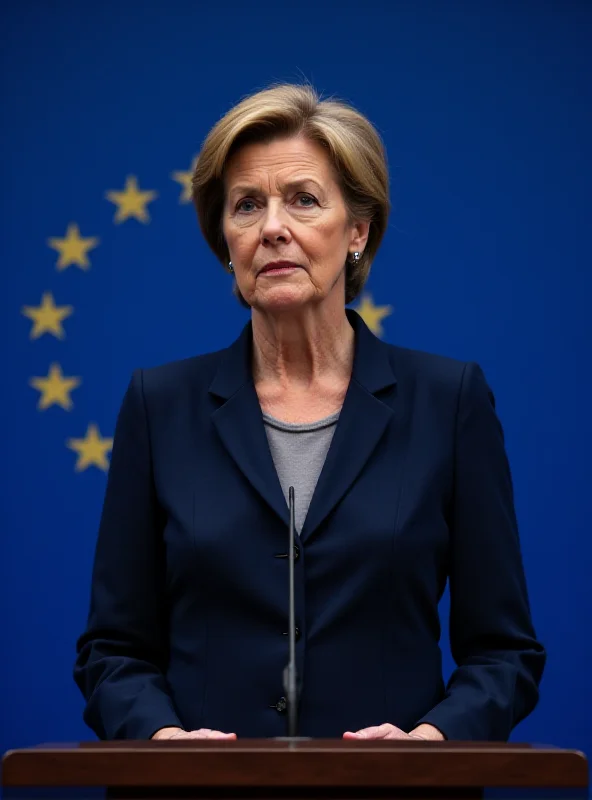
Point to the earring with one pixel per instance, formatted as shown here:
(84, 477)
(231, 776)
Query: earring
(230, 267)
(356, 257)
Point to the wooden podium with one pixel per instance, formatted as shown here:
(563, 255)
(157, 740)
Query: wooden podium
(262, 769)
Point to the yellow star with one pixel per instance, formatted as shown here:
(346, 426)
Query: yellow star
(47, 317)
(131, 202)
(184, 178)
(92, 450)
(55, 389)
(73, 248)
(373, 315)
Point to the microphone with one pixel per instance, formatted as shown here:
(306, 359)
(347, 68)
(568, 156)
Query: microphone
(290, 673)
(290, 670)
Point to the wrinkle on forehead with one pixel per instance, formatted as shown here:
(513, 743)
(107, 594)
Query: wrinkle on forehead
(273, 164)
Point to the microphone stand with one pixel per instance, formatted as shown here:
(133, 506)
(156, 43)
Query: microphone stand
(290, 671)
(290, 674)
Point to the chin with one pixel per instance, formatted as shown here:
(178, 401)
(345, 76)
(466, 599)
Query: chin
(282, 299)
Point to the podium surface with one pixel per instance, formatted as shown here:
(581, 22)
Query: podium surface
(321, 768)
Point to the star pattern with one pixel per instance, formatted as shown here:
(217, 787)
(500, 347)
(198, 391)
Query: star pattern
(55, 389)
(372, 314)
(73, 248)
(131, 202)
(47, 318)
(92, 449)
(184, 178)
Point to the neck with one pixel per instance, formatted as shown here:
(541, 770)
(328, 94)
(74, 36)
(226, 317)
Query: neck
(302, 347)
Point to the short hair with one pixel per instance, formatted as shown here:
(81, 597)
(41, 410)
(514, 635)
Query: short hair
(353, 144)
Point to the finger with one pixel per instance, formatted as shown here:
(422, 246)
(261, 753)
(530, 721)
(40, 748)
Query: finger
(203, 733)
(379, 731)
(396, 733)
(384, 731)
(368, 733)
(388, 731)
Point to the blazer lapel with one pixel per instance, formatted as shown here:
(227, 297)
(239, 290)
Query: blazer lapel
(362, 422)
(240, 424)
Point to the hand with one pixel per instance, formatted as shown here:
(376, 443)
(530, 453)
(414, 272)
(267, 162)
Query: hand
(202, 733)
(423, 732)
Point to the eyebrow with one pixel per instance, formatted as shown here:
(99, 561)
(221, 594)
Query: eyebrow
(295, 184)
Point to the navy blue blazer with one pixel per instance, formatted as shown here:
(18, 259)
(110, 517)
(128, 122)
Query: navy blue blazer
(189, 605)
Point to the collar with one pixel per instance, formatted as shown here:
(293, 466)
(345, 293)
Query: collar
(372, 366)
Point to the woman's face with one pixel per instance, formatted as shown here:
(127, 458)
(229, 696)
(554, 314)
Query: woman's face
(283, 204)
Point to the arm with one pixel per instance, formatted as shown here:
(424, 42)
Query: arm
(122, 656)
(499, 661)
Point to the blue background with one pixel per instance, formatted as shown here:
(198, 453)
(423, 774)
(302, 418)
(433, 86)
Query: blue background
(485, 109)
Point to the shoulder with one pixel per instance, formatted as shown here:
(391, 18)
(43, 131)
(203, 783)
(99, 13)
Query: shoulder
(441, 375)
(185, 379)
(426, 367)
(201, 369)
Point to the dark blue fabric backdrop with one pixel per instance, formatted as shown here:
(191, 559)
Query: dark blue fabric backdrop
(485, 108)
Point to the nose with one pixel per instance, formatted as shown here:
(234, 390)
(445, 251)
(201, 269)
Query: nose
(274, 228)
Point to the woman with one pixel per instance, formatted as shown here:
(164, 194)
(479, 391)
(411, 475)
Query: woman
(398, 461)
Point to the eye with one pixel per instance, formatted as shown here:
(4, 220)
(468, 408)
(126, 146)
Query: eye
(308, 197)
(242, 202)
(308, 202)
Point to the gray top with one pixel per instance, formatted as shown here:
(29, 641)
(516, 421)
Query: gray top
(298, 451)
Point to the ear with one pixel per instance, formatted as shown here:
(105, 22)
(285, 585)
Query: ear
(359, 237)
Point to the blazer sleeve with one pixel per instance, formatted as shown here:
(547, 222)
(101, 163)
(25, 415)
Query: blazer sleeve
(122, 656)
(499, 660)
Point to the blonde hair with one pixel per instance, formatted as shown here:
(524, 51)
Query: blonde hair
(354, 147)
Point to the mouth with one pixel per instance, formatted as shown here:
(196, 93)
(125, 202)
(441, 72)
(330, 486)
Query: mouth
(279, 268)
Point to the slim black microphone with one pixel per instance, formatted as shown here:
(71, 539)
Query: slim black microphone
(290, 670)
(290, 674)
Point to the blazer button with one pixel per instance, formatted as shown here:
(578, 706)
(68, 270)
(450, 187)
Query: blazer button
(285, 555)
(297, 633)
(280, 706)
